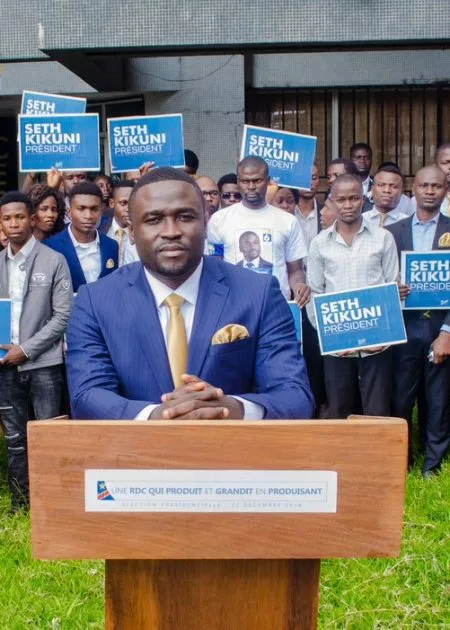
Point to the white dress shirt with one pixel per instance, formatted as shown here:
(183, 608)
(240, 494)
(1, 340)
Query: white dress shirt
(127, 249)
(189, 292)
(89, 256)
(308, 223)
(16, 281)
(374, 217)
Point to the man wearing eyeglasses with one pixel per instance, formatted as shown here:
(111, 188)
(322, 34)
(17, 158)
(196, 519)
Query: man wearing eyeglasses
(211, 194)
(229, 190)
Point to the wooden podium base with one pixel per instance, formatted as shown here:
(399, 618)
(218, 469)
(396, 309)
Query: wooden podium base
(212, 594)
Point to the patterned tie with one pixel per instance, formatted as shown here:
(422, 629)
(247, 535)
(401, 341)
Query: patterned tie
(383, 219)
(250, 265)
(177, 345)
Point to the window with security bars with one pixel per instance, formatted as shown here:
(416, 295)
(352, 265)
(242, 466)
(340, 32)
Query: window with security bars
(402, 125)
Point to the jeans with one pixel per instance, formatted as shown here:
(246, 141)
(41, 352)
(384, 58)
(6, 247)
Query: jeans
(41, 390)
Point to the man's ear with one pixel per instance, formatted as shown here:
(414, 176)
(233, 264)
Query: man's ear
(111, 202)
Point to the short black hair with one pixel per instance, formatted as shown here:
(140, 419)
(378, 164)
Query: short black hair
(442, 147)
(16, 196)
(346, 179)
(361, 145)
(123, 183)
(349, 166)
(389, 167)
(230, 178)
(255, 161)
(191, 159)
(248, 233)
(86, 188)
(383, 164)
(165, 174)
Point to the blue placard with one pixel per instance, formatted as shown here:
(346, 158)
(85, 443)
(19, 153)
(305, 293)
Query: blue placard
(297, 315)
(428, 276)
(5, 325)
(290, 156)
(41, 104)
(358, 319)
(135, 140)
(68, 142)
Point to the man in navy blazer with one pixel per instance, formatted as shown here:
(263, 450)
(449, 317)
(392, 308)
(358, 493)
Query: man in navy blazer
(90, 255)
(243, 360)
(427, 229)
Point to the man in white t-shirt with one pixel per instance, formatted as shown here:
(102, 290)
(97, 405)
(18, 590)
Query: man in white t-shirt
(279, 240)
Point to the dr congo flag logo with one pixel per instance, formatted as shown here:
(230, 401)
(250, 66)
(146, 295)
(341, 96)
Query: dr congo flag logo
(103, 494)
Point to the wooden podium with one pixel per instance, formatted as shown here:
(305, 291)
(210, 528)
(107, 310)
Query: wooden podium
(217, 571)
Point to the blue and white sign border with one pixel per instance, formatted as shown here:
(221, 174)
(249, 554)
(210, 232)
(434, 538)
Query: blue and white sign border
(52, 96)
(358, 348)
(113, 170)
(49, 117)
(404, 256)
(281, 131)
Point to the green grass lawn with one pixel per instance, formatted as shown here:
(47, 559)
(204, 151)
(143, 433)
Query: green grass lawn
(412, 591)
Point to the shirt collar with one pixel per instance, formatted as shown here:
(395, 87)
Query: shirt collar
(188, 290)
(24, 252)
(417, 221)
(310, 216)
(364, 226)
(115, 226)
(83, 245)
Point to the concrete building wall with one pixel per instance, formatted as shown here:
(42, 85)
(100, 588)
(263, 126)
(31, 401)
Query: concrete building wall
(209, 92)
(352, 69)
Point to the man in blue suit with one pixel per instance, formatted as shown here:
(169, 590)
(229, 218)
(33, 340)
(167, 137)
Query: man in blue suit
(181, 336)
(90, 255)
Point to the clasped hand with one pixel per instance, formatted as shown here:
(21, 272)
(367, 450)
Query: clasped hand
(197, 400)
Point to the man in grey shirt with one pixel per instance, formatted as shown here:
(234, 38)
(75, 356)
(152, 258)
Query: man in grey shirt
(37, 281)
(352, 254)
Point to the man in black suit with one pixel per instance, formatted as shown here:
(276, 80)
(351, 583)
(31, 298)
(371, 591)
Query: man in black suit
(427, 229)
(250, 247)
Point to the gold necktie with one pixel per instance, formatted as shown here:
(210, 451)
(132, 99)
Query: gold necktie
(383, 219)
(177, 345)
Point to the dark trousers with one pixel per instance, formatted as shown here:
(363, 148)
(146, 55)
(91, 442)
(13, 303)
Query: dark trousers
(314, 361)
(359, 384)
(411, 367)
(42, 390)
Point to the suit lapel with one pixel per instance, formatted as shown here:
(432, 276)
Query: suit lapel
(72, 258)
(29, 266)
(407, 244)
(211, 300)
(4, 280)
(443, 225)
(138, 300)
(103, 256)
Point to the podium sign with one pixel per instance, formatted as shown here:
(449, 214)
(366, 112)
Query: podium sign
(216, 569)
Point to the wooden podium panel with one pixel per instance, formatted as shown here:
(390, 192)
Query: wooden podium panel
(369, 455)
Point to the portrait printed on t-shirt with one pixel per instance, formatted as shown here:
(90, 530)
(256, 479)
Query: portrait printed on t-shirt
(254, 249)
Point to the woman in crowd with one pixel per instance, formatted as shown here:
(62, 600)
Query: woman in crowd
(48, 211)
(286, 199)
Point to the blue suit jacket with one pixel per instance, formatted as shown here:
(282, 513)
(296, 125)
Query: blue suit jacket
(117, 360)
(109, 250)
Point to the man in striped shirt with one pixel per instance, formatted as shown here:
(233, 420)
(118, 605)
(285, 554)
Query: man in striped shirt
(353, 254)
